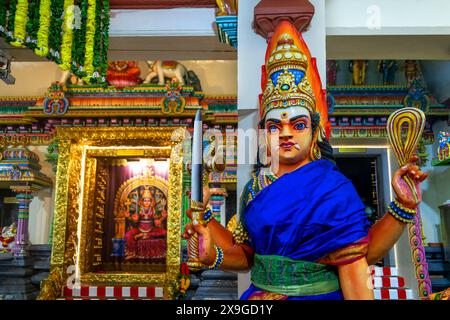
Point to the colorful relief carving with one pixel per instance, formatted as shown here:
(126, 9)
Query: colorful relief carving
(55, 101)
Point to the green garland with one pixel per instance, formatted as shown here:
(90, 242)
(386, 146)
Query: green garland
(98, 44)
(3, 15)
(105, 38)
(33, 24)
(11, 18)
(43, 21)
(55, 39)
(79, 39)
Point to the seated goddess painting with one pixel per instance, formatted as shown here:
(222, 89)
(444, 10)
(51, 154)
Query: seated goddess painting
(141, 221)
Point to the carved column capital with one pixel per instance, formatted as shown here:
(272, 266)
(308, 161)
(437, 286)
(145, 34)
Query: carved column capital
(268, 14)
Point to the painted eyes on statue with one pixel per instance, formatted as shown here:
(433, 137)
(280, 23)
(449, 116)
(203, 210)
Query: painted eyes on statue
(272, 128)
(300, 126)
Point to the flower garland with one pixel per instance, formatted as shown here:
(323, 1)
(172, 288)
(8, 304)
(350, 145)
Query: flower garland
(90, 40)
(55, 37)
(105, 40)
(44, 25)
(20, 23)
(79, 38)
(32, 24)
(11, 18)
(3, 15)
(97, 38)
(67, 39)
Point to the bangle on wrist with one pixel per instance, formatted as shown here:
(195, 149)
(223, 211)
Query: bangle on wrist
(207, 216)
(401, 213)
(400, 205)
(219, 259)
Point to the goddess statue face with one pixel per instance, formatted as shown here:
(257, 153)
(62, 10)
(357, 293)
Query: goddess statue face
(289, 135)
(146, 202)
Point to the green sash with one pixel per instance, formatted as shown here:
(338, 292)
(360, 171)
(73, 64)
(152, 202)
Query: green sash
(290, 277)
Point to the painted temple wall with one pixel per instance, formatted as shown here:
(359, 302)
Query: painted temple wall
(345, 78)
(41, 208)
(163, 22)
(436, 190)
(437, 79)
(400, 17)
(217, 77)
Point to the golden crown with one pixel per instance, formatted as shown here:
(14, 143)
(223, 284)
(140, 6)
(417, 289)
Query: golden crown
(287, 82)
(146, 193)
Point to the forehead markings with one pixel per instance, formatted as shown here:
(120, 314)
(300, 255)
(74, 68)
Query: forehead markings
(286, 113)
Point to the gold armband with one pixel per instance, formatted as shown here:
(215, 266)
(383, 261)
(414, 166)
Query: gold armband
(240, 235)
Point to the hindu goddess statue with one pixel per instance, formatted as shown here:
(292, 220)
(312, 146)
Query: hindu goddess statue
(302, 231)
(144, 225)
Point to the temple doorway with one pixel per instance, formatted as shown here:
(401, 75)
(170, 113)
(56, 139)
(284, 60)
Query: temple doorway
(363, 172)
(8, 207)
(369, 169)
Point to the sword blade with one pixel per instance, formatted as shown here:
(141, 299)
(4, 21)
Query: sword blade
(197, 159)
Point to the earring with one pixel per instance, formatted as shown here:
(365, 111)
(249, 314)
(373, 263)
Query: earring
(315, 153)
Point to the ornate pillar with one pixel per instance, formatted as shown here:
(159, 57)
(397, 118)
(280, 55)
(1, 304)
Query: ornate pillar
(20, 172)
(24, 195)
(217, 202)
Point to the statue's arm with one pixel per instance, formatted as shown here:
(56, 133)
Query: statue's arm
(354, 279)
(236, 256)
(222, 237)
(386, 232)
(383, 236)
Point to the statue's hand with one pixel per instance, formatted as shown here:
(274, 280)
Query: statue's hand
(402, 190)
(206, 196)
(205, 245)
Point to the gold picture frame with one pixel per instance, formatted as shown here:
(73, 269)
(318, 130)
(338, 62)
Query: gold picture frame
(78, 150)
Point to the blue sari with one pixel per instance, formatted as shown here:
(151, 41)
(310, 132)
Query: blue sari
(303, 216)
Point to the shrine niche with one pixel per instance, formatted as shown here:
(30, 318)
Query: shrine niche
(140, 214)
(118, 200)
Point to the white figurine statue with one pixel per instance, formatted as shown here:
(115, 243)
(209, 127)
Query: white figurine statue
(166, 69)
(69, 78)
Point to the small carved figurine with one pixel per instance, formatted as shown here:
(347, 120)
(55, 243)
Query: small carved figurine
(123, 74)
(412, 71)
(388, 68)
(358, 68)
(332, 69)
(227, 7)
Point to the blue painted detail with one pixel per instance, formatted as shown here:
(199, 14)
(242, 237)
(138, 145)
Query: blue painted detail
(118, 249)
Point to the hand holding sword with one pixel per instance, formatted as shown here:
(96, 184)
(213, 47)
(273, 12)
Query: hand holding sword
(200, 244)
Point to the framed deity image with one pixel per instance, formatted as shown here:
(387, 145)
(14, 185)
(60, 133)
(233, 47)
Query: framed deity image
(118, 202)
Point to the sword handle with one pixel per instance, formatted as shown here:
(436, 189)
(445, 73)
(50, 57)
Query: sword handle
(193, 242)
